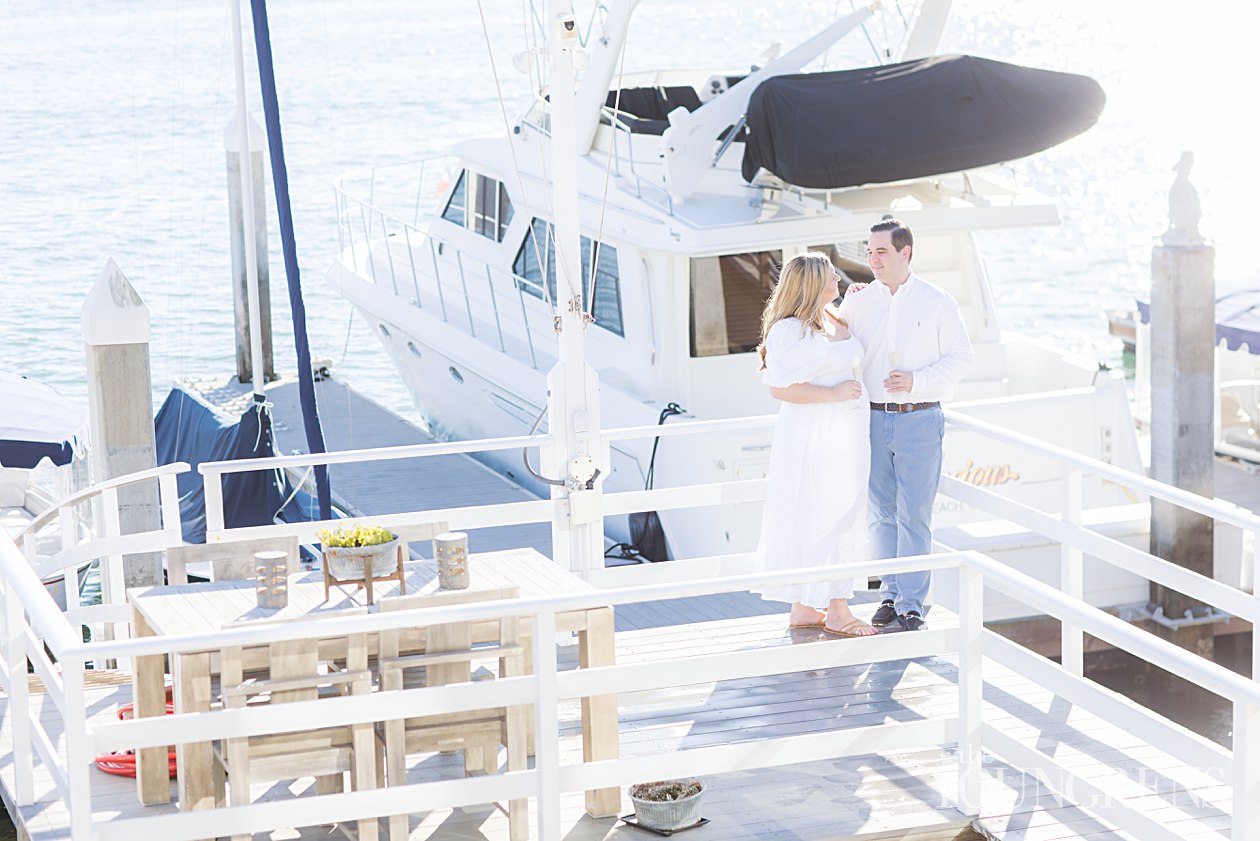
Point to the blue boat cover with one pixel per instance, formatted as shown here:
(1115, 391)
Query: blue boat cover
(1237, 313)
(188, 429)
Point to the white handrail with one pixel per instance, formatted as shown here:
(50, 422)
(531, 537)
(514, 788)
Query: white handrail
(1124, 636)
(1218, 509)
(437, 448)
(174, 469)
(256, 634)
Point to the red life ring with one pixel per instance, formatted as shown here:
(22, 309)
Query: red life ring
(123, 763)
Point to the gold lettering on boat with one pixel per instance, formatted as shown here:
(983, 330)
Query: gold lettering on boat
(985, 476)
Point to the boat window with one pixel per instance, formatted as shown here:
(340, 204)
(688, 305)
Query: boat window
(536, 260)
(457, 208)
(494, 209)
(849, 258)
(728, 294)
(491, 210)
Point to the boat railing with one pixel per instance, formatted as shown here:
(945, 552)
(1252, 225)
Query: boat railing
(477, 297)
(648, 189)
(109, 545)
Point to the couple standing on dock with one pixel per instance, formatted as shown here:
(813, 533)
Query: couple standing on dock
(899, 339)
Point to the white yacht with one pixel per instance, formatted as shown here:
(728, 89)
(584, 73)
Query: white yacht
(451, 261)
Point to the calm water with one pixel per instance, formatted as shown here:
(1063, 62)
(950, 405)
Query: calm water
(111, 124)
(112, 116)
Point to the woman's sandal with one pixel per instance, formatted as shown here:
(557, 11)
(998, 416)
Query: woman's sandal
(804, 626)
(847, 630)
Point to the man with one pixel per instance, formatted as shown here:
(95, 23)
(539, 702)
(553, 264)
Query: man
(916, 352)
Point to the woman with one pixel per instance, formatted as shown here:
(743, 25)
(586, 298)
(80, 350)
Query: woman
(815, 512)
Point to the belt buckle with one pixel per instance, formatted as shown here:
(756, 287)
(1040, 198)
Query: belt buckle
(893, 408)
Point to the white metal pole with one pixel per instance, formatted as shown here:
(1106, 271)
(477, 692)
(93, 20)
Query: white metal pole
(573, 392)
(247, 210)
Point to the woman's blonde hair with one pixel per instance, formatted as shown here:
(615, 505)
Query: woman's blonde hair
(801, 283)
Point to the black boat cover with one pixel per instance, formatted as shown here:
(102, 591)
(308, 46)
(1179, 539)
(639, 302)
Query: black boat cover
(911, 120)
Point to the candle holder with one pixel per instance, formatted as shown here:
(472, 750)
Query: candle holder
(451, 551)
(271, 579)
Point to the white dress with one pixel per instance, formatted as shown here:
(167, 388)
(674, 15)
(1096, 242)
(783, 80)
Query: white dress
(820, 460)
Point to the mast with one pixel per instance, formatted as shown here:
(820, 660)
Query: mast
(572, 386)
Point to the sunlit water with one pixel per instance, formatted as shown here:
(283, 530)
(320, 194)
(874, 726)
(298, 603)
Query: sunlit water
(112, 117)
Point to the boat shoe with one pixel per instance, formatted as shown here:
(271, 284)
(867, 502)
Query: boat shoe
(912, 621)
(886, 615)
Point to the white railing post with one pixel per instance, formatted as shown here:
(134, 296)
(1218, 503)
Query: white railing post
(212, 481)
(1245, 820)
(113, 584)
(78, 750)
(970, 685)
(168, 493)
(1071, 573)
(546, 726)
(69, 538)
(1255, 592)
(19, 707)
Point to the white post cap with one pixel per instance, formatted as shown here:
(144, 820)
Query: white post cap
(113, 313)
(232, 135)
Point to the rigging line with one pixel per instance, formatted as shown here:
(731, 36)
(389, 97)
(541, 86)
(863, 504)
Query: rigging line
(531, 44)
(345, 348)
(545, 81)
(603, 204)
(867, 32)
(835, 14)
(516, 167)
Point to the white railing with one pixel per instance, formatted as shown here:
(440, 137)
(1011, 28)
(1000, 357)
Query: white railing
(550, 778)
(35, 628)
(110, 545)
(32, 622)
(1076, 540)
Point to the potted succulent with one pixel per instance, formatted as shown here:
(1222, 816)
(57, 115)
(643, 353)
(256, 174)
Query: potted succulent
(667, 804)
(347, 551)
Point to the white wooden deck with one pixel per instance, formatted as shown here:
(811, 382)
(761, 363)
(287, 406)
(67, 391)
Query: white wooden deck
(903, 796)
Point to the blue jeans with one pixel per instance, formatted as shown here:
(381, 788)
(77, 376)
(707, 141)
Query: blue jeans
(905, 473)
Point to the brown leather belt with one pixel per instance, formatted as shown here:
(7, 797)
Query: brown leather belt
(898, 408)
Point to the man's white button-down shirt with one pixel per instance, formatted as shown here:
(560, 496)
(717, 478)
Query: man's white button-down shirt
(919, 329)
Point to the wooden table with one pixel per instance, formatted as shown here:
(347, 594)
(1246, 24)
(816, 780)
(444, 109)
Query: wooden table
(209, 606)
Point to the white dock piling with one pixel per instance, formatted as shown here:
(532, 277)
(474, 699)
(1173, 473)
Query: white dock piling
(115, 328)
(1183, 399)
(236, 221)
